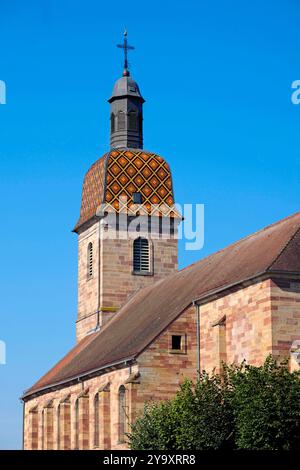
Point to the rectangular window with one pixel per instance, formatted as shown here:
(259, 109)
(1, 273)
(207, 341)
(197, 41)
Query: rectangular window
(176, 342)
(137, 198)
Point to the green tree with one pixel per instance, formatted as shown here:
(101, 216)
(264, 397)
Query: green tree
(199, 417)
(246, 407)
(155, 429)
(266, 406)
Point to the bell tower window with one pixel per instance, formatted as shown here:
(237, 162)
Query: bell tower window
(121, 121)
(137, 198)
(132, 121)
(112, 123)
(90, 261)
(141, 256)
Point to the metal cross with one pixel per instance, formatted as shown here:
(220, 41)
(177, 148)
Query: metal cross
(126, 48)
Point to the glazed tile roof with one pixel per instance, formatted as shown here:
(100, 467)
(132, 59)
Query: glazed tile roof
(275, 249)
(122, 172)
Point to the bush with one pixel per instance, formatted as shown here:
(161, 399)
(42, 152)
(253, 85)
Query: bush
(266, 406)
(155, 428)
(197, 418)
(246, 407)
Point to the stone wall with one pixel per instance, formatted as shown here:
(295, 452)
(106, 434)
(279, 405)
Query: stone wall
(285, 301)
(161, 369)
(113, 280)
(88, 287)
(70, 430)
(237, 326)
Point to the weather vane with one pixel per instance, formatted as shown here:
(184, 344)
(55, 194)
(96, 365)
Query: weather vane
(126, 48)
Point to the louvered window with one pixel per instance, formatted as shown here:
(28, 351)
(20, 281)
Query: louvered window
(141, 255)
(90, 260)
(121, 121)
(133, 121)
(112, 122)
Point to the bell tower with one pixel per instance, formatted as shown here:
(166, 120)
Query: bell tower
(127, 229)
(126, 109)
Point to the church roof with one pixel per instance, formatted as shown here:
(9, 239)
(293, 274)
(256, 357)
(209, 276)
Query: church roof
(120, 173)
(275, 249)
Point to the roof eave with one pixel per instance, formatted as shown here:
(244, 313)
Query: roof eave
(126, 95)
(209, 296)
(85, 224)
(76, 378)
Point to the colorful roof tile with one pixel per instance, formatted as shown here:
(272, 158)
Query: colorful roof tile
(119, 174)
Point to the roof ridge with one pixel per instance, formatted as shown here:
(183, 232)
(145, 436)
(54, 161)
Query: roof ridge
(246, 237)
(284, 248)
(92, 165)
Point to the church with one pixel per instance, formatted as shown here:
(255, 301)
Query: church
(143, 326)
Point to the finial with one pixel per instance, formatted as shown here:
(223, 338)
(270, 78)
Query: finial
(126, 48)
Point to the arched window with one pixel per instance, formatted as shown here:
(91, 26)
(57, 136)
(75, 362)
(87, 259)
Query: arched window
(96, 421)
(122, 413)
(90, 260)
(132, 121)
(64, 424)
(77, 424)
(141, 255)
(58, 427)
(43, 429)
(34, 429)
(48, 427)
(121, 121)
(112, 123)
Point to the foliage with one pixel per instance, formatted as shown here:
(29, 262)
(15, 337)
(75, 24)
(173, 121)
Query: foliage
(199, 417)
(266, 406)
(155, 428)
(246, 407)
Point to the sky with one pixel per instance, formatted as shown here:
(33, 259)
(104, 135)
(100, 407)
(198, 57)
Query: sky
(217, 79)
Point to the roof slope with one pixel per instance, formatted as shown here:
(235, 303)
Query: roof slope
(152, 309)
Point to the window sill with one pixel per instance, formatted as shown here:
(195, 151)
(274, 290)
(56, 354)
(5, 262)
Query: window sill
(177, 351)
(141, 273)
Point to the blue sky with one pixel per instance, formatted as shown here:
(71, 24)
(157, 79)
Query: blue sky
(216, 77)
